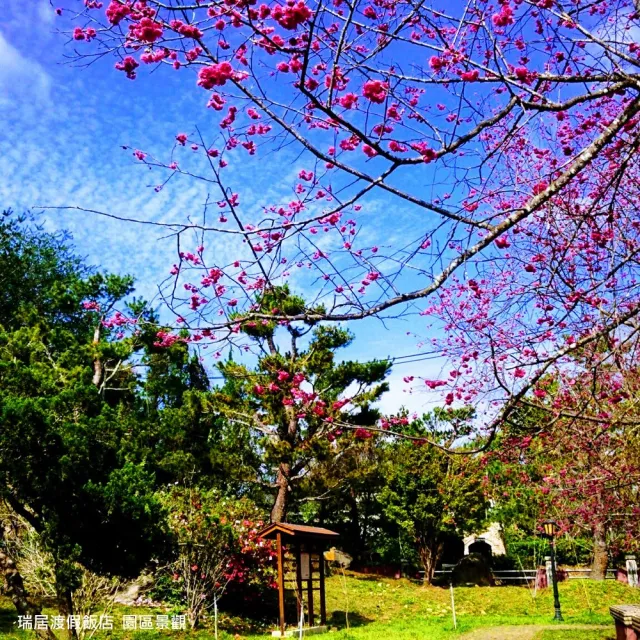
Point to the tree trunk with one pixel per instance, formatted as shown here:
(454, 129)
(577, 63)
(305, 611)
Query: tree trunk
(65, 605)
(600, 556)
(15, 589)
(354, 526)
(279, 510)
(288, 434)
(97, 363)
(429, 557)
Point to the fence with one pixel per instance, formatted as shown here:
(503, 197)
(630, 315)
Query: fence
(528, 575)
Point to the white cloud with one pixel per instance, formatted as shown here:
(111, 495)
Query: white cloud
(21, 76)
(45, 12)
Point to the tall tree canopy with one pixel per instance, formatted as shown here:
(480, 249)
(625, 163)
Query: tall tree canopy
(431, 494)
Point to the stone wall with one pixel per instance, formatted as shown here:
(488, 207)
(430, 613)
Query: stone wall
(492, 536)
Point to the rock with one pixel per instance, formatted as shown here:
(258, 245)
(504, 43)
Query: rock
(473, 569)
(341, 558)
(130, 593)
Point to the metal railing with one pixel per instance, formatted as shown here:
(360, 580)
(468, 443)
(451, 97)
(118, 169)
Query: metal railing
(523, 575)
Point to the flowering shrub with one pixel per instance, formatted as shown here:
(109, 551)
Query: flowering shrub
(215, 550)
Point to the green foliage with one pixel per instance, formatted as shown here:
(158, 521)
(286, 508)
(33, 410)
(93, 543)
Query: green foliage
(40, 279)
(431, 494)
(178, 435)
(273, 301)
(348, 483)
(290, 407)
(203, 546)
(528, 550)
(171, 371)
(215, 547)
(64, 442)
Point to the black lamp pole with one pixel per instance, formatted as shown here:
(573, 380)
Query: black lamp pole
(554, 578)
(550, 529)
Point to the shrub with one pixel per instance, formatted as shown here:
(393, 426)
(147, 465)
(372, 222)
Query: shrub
(216, 550)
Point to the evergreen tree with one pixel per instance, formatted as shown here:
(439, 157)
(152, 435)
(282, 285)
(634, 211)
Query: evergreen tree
(429, 492)
(299, 397)
(68, 409)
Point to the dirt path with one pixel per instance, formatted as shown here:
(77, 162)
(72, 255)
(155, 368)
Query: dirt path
(528, 632)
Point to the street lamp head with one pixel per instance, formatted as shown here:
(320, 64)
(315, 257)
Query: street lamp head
(551, 527)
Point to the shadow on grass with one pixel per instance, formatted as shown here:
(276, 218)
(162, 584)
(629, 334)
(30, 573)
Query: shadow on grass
(364, 577)
(8, 619)
(339, 619)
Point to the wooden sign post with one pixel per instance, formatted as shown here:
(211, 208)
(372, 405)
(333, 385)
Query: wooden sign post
(306, 545)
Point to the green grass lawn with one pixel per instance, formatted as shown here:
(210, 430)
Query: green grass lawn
(385, 609)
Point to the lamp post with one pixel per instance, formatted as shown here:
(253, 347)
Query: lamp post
(550, 529)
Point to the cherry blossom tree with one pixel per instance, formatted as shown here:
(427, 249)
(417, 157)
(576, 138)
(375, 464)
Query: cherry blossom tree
(500, 138)
(574, 454)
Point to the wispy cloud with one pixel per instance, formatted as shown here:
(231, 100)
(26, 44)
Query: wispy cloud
(21, 76)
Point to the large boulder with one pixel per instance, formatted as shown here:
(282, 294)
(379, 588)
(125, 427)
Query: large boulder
(473, 569)
(131, 593)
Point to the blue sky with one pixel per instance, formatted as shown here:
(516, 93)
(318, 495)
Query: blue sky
(64, 129)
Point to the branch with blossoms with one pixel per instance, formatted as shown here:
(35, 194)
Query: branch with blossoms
(522, 117)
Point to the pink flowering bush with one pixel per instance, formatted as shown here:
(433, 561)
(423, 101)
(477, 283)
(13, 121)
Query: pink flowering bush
(216, 550)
